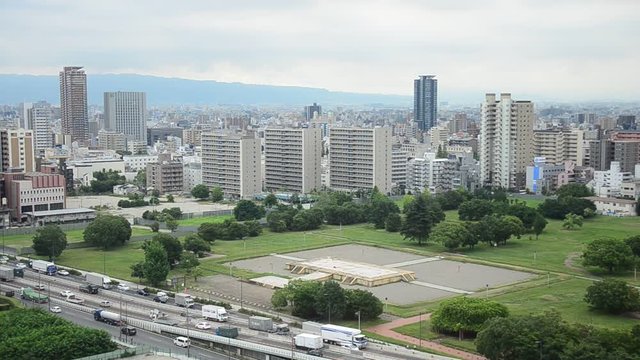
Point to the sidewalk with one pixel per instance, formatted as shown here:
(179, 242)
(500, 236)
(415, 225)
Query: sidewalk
(386, 330)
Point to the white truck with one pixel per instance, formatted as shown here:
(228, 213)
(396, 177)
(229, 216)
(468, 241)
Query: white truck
(311, 343)
(6, 273)
(44, 267)
(213, 312)
(98, 279)
(74, 299)
(334, 334)
(184, 300)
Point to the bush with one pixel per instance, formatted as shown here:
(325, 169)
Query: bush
(465, 315)
(612, 296)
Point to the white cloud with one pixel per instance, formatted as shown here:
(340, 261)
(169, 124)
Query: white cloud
(564, 49)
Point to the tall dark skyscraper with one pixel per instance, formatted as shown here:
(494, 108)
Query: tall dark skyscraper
(425, 101)
(311, 110)
(73, 104)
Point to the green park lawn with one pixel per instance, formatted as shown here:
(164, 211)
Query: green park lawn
(73, 236)
(116, 261)
(206, 219)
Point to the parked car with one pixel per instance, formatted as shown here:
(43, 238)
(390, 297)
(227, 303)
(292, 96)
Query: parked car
(40, 287)
(129, 330)
(182, 341)
(203, 325)
(63, 272)
(65, 293)
(105, 303)
(56, 309)
(123, 287)
(143, 292)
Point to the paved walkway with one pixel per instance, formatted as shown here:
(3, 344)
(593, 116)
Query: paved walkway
(414, 262)
(386, 330)
(440, 287)
(287, 257)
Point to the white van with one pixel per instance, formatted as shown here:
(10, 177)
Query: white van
(182, 341)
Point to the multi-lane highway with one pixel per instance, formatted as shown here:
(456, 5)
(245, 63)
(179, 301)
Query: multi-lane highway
(131, 304)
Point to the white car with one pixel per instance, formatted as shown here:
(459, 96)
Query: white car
(21, 265)
(40, 287)
(105, 303)
(56, 309)
(123, 287)
(203, 325)
(63, 272)
(350, 346)
(182, 341)
(66, 293)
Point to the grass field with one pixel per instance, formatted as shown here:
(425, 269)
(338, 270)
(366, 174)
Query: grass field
(423, 330)
(116, 262)
(206, 219)
(73, 236)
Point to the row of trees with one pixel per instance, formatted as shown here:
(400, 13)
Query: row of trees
(165, 252)
(134, 200)
(202, 192)
(327, 301)
(465, 315)
(547, 336)
(229, 229)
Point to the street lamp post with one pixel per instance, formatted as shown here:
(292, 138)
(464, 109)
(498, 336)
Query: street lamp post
(358, 319)
(49, 292)
(420, 336)
(188, 339)
(241, 302)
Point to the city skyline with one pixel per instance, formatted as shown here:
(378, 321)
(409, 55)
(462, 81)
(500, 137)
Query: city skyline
(471, 47)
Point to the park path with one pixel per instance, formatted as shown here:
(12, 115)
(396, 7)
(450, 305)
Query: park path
(387, 330)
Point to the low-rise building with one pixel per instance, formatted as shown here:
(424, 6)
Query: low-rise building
(166, 175)
(545, 177)
(614, 207)
(138, 162)
(33, 191)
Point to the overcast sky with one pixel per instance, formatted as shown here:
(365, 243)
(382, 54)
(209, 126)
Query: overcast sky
(549, 49)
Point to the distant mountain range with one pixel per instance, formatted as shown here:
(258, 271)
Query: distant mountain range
(165, 91)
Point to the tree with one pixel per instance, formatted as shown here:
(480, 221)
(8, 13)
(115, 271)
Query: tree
(380, 208)
(279, 299)
(270, 201)
(36, 334)
(154, 200)
(104, 181)
(49, 240)
(197, 272)
(137, 270)
(170, 198)
(494, 229)
(330, 301)
(450, 234)
(217, 194)
(420, 217)
(451, 200)
(559, 208)
(539, 223)
(175, 212)
(247, 210)
(254, 228)
(107, 231)
(200, 192)
(171, 245)
(209, 231)
(634, 243)
(234, 230)
(393, 223)
(528, 337)
(189, 261)
(442, 153)
(195, 244)
(156, 263)
(155, 193)
(574, 190)
(141, 179)
(610, 254)
(369, 306)
(462, 315)
(302, 296)
(171, 223)
(572, 221)
(155, 226)
(475, 209)
(612, 296)
(294, 199)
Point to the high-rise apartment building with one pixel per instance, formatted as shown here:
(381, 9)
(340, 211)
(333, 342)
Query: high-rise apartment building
(399, 162)
(232, 162)
(126, 112)
(425, 102)
(17, 149)
(292, 159)
(73, 103)
(506, 141)
(39, 120)
(360, 159)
